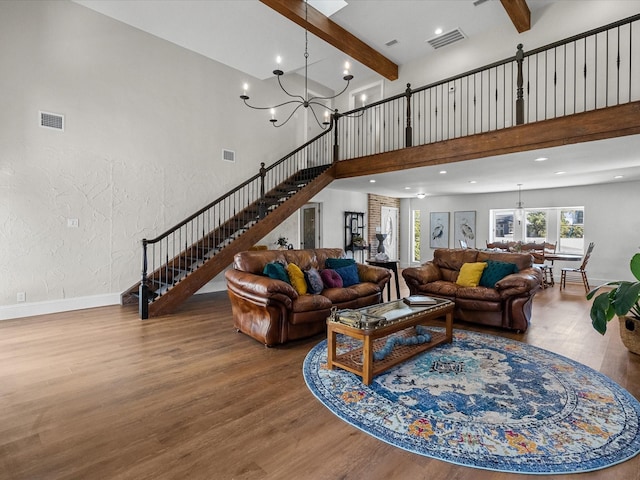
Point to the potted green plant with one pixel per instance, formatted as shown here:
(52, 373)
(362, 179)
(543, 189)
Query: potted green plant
(622, 300)
(282, 242)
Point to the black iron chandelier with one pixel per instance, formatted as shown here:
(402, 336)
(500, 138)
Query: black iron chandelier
(305, 100)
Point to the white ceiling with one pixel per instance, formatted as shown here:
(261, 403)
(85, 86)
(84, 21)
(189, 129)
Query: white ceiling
(247, 35)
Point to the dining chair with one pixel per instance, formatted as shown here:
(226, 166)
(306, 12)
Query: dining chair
(581, 270)
(548, 270)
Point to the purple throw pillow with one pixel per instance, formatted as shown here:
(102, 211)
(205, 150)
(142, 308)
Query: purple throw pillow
(331, 278)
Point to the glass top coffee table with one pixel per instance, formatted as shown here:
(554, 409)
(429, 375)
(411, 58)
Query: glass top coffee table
(374, 324)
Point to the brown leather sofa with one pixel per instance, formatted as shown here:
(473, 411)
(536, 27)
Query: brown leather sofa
(508, 305)
(272, 312)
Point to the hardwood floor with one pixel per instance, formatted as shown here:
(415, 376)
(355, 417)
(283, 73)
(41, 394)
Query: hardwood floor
(99, 394)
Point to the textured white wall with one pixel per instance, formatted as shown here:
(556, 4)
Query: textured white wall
(146, 122)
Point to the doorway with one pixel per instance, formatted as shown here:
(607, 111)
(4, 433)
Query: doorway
(310, 226)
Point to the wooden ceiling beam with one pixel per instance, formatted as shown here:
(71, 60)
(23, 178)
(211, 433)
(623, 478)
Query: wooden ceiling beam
(335, 35)
(519, 13)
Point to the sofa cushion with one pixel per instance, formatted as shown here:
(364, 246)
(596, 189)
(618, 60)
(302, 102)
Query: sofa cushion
(331, 278)
(470, 274)
(481, 294)
(341, 295)
(277, 271)
(310, 303)
(335, 263)
(296, 277)
(349, 275)
(440, 288)
(495, 272)
(314, 281)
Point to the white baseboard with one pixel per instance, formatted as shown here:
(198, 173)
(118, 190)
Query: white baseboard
(21, 310)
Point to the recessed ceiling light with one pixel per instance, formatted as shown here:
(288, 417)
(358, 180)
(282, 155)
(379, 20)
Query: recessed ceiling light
(442, 172)
(407, 188)
(472, 181)
(421, 195)
(541, 159)
(560, 172)
(618, 176)
(372, 181)
(438, 31)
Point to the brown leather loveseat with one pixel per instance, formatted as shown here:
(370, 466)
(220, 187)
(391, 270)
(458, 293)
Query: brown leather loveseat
(272, 312)
(507, 305)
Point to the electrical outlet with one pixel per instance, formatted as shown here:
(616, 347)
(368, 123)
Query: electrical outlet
(72, 222)
(21, 297)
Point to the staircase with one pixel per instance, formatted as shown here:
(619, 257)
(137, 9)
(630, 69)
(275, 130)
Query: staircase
(451, 120)
(183, 259)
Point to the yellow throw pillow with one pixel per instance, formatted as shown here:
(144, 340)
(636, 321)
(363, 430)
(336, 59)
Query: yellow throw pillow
(469, 275)
(296, 277)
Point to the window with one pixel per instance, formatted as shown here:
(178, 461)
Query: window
(563, 226)
(416, 236)
(536, 226)
(571, 230)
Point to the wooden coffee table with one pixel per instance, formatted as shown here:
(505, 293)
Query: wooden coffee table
(398, 317)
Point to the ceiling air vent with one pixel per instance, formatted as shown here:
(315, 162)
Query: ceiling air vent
(52, 120)
(228, 155)
(391, 42)
(446, 38)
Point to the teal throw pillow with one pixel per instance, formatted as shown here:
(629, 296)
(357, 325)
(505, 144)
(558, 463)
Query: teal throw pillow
(277, 271)
(334, 263)
(349, 275)
(495, 272)
(314, 281)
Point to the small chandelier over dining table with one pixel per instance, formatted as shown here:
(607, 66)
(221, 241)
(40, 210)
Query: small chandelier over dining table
(305, 100)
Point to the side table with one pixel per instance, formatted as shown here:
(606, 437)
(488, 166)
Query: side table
(390, 265)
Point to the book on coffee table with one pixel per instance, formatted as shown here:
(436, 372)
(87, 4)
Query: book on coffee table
(420, 300)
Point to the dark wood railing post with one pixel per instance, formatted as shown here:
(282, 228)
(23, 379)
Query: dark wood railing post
(143, 290)
(262, 205)
(336, 147)
(520, 89)
(408, 141)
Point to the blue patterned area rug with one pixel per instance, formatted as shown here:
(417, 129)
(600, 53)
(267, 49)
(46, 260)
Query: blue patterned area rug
(487, 402)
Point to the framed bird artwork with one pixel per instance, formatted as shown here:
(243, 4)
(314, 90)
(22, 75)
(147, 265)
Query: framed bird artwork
(439, 230)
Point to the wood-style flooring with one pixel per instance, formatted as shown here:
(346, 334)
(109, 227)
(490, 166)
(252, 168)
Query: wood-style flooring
(99, 394)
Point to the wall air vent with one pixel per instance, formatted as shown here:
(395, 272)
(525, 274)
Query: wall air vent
(446, 38)
(52, 120)
(228, 155)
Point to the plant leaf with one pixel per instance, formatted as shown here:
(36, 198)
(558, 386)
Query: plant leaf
(601, 312)
(626, 297)
(635, 265)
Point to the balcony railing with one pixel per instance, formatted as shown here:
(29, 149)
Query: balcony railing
(597, 69)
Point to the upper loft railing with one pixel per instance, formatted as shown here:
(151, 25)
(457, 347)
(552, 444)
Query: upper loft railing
(593, 70)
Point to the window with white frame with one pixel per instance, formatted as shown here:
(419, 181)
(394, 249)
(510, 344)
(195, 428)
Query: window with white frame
(563, 226)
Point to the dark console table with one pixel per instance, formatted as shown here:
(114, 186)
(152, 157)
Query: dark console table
(391, 265)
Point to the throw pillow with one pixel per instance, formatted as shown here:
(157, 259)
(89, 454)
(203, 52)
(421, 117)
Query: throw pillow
(470, 274)
(334, 263)
(331, 278)
(314, 281)
(349, 275)
(297, 278)
(495, 272)
(276, 270)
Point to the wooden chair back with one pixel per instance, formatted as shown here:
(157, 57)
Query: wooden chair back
(586, 257)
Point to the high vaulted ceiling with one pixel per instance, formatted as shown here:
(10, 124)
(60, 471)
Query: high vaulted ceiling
(248, 35)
